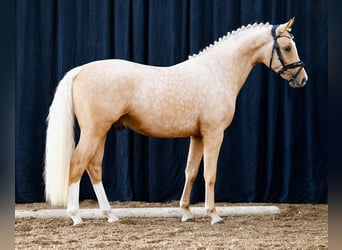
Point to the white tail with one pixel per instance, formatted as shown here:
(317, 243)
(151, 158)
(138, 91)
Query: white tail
(60, 142)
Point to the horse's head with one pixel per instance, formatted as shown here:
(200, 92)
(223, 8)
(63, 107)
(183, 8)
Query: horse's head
(284, 57)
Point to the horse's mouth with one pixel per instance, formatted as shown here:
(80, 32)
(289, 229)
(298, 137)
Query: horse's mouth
(294, 84)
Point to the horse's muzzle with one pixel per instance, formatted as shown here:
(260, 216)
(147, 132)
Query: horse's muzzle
(299, 79)
(297, 84)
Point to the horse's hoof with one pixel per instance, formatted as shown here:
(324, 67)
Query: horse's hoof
(75, 216)
(217, 222)
(77, 223)
(77, 220)
(110, 216)
(215, 219)
(187, 216)
(112, 219)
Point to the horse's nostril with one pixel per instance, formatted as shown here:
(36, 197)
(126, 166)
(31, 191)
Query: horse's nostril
(304, 80)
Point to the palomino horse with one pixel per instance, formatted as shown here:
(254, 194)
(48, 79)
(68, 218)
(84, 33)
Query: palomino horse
(195, 98)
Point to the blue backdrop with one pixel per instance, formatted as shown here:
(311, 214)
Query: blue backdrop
(274, 150)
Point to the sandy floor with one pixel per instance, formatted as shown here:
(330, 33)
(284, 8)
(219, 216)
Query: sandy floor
(295, 227)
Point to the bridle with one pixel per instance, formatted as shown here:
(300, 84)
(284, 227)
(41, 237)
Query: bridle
(285, 67)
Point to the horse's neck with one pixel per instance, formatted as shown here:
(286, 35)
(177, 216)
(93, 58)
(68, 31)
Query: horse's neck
(235, 58)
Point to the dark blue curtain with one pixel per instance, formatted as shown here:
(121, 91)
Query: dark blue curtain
(274, 150)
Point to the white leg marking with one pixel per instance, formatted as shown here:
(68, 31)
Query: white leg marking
(103, 202)
(73, 203)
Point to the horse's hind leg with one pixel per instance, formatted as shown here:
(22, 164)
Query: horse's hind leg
(194, 158)
(80, 159)
(95, 173)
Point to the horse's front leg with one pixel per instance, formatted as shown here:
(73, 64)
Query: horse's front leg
(194, 158)
(212, 144)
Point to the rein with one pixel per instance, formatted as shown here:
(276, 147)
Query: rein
(276, 47)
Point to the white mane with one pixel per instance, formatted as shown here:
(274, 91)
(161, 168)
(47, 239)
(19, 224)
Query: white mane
(228, 35)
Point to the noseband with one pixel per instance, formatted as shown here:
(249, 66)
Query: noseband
(276, 47)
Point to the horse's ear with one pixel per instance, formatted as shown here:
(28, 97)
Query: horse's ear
(286, 26)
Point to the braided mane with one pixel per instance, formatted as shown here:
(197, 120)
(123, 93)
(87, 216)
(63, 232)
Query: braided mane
(228, 35)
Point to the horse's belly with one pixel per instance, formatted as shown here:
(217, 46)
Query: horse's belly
(161, 127)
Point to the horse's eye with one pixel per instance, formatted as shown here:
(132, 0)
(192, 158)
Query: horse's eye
(287, 48)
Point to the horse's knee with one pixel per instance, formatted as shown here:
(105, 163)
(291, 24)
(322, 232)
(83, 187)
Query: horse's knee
(191, 175)
(209, 179)
(191, 170)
